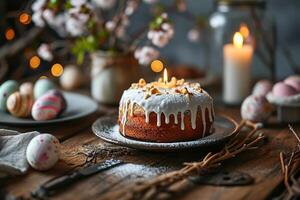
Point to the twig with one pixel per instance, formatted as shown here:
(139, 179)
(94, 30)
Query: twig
(289, 165)
(162, 183)
(11, 49)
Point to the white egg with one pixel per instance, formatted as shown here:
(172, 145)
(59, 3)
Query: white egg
(43, 151)
(71, 78)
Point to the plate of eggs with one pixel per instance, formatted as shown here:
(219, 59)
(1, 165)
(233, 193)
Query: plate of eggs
(41, 103)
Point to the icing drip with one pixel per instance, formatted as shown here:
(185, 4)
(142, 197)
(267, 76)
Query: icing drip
(158, 120)
(175, 119)
(182, 120)
(167, 119)
(169, 103)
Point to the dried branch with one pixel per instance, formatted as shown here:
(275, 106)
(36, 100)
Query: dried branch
(11, 49)
(289, 165)
(161, 184)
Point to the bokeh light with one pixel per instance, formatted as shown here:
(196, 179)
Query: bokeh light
(9, 34)
(157, 66)
(57, 70)
(34, 62)
(25, 18)
(244, 30)
(43, 77)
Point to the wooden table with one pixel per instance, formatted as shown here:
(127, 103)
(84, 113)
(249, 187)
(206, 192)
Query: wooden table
(262, 164)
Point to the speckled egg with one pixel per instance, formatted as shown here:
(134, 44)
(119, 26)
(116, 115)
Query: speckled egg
(281, 89)
(49, 106)
(6, 89)
(293, 81)
(19, 105)
(43, 151)
(26, 88)
(71, 78)
(256, 109)
(42, 86)
(262, 88)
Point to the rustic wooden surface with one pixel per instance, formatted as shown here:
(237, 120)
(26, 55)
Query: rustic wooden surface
(262, 164)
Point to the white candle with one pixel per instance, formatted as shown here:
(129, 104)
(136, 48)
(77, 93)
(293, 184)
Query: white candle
(237, 70)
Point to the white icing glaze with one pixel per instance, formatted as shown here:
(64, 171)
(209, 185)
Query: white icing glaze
(169, 102)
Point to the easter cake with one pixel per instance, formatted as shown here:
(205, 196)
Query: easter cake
(166, 111)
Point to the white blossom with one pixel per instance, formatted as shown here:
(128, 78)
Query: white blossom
(48, 15)
(78, 3)
(120, 32)
(193, 35)
(131, 7)
(44, 51)
(110, 25)
(37, 18)
(104, 4)
(58, 24)
(168, 28)
(161, 37)
(38, 5)
(150, 1)
(146, 54)
(76, 22)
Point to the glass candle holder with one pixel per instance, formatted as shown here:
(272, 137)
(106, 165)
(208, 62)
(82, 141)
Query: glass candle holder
(257, 32)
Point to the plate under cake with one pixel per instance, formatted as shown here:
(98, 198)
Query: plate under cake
(166, 111)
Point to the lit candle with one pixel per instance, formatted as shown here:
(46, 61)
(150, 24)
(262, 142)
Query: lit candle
(237, 70)
(165, 76)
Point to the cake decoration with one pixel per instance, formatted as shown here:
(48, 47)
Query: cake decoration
(173, 99)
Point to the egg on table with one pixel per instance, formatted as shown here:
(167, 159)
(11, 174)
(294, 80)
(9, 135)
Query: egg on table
(42, 86)
(293, 81)
(6, 89)
(26, 88)
(281, 89)
(71, 78)
(262, 88)
(19, 105)
(256, 109)
(49, 106)
(43, 151)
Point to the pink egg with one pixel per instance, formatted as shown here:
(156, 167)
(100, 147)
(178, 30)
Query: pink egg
(281, 89)
(43, 151)
(48, 106)
(293, 81)
(262, 88)
(256, 109)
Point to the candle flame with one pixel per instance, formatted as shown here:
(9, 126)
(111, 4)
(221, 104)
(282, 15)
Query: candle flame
(244, 30)
(165, 77)
(238, 40)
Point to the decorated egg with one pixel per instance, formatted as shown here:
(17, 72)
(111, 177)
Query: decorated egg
(49, 106)
(262, 88)
(42, 86)
(71, 78)
(256, 109)
(43, 151)
(281, 89)
(6, 89)
(19, 105)
(26, 88)
(293, 81)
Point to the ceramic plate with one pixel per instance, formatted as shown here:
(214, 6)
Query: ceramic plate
(108, 130)
(78, 106)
